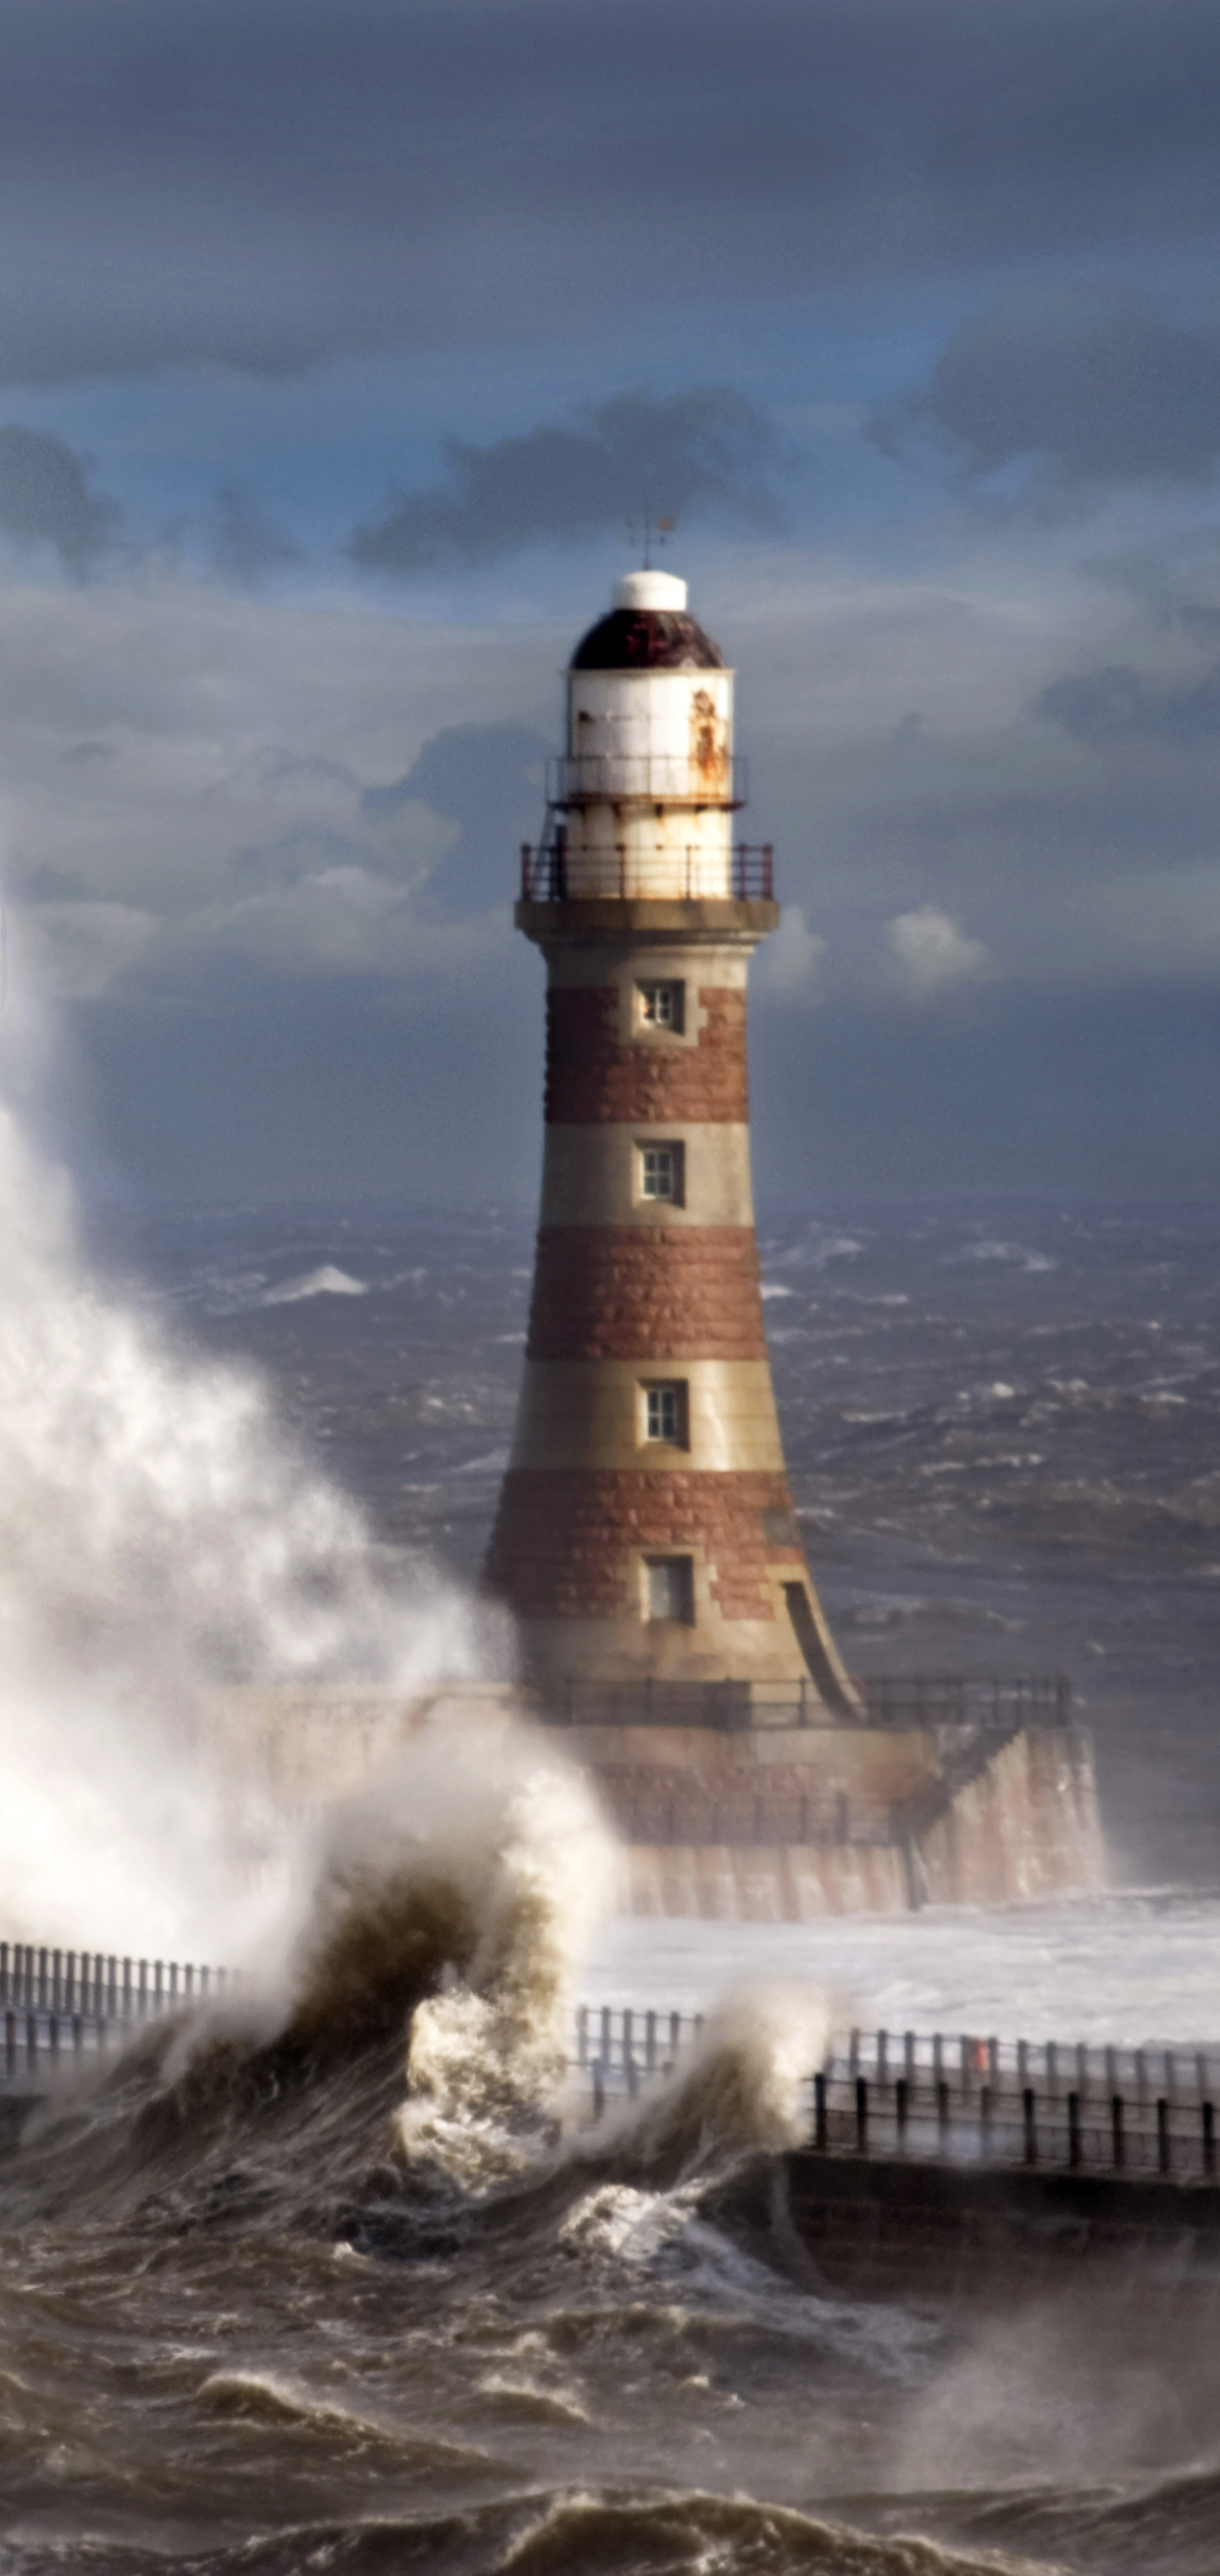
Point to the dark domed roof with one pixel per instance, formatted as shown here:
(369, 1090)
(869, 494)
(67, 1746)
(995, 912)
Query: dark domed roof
(647, 639)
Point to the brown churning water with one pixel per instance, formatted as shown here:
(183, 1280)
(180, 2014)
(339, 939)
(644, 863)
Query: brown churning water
(338, 2279)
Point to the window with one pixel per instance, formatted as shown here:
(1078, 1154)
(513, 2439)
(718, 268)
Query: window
(663, 1173)
(669, 1588)
(660, 1005)
(665, 1413)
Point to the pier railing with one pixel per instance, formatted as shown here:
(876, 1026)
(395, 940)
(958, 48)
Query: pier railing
(950, 2099)
(58, 2007)
(995, 1702)
(956, 2099)
(100, 1983)
(1149, 2111)
(960, 1699)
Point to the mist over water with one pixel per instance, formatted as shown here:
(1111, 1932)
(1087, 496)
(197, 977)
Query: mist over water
(160, 1530)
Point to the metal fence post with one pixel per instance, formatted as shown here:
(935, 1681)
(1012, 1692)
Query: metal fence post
(820, 2133)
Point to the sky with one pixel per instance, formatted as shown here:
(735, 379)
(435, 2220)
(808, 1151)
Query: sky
(343, 344)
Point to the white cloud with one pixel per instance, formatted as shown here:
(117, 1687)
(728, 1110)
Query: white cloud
(788, 964)
(929, 951)
(77, 949)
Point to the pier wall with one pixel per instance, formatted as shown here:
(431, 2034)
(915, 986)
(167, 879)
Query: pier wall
(866, 1823)
(771, 1824)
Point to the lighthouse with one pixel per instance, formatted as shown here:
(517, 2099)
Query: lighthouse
(645, 1538)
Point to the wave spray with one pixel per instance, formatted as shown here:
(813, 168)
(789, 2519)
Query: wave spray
(160, 1533)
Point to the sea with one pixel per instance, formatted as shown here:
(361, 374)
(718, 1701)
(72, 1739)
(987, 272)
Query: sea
(1001, 1422)
(340, 2278)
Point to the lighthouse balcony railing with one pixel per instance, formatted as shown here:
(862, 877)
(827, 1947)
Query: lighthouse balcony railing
(663, 778)
(552, 874)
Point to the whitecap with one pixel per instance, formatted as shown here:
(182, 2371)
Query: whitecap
(1018, 1254)
(325, 1282)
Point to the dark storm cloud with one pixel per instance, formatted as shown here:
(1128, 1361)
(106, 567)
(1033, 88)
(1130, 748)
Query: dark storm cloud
(488, 779)
(45, 499)
(246, 542)
(1118, 702)
(265, 186)
(1095, 378)
(691, 452)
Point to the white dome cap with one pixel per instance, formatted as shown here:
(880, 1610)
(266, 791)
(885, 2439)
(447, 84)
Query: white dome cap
(650, 590)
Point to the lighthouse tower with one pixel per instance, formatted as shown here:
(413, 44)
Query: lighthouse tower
(646, 1538)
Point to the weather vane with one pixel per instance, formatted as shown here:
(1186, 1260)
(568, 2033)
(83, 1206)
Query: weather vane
(651, 530)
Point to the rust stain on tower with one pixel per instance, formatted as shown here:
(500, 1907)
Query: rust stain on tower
(646, 1535)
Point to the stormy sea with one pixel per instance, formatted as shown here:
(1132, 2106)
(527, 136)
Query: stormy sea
(337, 2275)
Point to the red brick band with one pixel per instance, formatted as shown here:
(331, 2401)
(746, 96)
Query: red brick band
(592, 1077)
(563, 1536)
(628, 1292)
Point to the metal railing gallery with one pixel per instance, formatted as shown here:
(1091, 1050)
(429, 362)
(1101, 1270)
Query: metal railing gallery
(552, 874)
